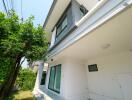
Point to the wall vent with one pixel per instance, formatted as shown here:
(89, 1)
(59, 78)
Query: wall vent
(92, 68)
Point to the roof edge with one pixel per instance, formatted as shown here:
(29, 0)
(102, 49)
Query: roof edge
(49, 13)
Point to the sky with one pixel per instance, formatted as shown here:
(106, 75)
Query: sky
(38, 8)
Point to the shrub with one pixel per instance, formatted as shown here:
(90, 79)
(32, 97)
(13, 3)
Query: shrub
(26, 79)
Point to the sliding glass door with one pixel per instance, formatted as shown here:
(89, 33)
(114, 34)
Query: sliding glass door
(55, 78)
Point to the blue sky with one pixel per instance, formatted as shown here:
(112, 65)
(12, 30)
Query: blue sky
(38, 8)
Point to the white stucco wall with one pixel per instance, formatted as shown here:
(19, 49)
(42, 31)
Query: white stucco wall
(111, 81)
(73, 79)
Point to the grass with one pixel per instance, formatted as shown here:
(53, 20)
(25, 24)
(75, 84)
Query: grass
(22, 95)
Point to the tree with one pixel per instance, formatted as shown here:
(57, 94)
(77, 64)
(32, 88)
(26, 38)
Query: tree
(17, 40)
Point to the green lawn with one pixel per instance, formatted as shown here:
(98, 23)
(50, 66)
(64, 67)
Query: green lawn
(22, 95)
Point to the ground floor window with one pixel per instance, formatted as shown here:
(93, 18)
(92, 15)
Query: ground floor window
(55, 78)
(43, 78)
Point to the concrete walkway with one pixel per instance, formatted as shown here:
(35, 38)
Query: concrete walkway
(39, 98)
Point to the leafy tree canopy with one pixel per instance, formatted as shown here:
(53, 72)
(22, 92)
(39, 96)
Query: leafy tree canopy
(18, 39)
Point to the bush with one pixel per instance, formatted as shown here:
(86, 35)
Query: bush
(26, 79)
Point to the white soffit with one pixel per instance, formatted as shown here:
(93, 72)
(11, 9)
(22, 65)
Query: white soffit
(116, 32)
(112, 37)
(58, 10)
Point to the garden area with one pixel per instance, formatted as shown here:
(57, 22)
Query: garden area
(24, 86)
(21, 95)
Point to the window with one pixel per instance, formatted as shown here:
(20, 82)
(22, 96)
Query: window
(43, 78)
(83, 10)
(92, 68)
(62, 26)
(55, 78)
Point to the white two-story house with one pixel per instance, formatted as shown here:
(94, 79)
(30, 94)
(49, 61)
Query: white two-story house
(90, 52)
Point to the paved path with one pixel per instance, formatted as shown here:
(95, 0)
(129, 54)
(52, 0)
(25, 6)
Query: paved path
(39, 98)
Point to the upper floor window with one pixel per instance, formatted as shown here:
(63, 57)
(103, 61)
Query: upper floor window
(83, 10)
(73, 13)
(61, 27)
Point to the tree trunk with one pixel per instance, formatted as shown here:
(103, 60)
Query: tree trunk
(14, 79)
(6, 88)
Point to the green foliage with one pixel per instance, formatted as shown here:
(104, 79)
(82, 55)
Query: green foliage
(5, 68)
(21, 38)
(26, 79)
(17, 40)
(21, 95)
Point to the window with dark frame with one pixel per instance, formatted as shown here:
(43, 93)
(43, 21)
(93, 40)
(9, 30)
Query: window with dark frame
(83, 10)
(92, 68)
(62, 26)
(55, 78)
(43, 78)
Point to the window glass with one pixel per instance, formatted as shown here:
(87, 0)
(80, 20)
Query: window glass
(51, 80)
(55, 78)
(58, 30)
(62, 26)
(43, 78)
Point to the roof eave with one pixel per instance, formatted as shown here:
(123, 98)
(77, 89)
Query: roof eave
(49, 13)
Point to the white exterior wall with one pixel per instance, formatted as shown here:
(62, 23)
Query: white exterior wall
(73, 79)
(113, 81)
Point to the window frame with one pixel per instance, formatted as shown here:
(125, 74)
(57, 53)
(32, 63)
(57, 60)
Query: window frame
(60, 25)
(43, 79)
(83, 10)
(53, 89)
(65, 14)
